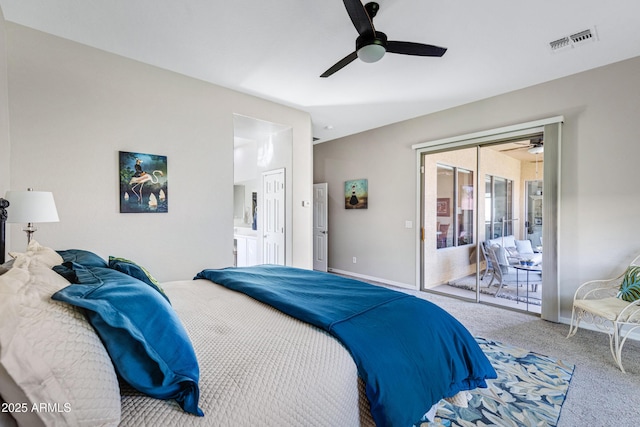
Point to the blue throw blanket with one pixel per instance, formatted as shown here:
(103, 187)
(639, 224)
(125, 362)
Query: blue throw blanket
(409, 352)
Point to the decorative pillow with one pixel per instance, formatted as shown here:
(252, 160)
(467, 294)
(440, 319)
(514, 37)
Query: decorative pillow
(630, 286)
(132, 269)
(506, 241)
(82, 257)
(501, 255)
(512, 252)
(144, 336)
(74, 272)
(50, 351)
(524, 246)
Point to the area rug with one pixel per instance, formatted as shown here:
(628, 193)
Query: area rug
(529, 391)
(508, 291)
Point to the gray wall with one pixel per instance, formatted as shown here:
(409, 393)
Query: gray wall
(600, 195)
(72, 108)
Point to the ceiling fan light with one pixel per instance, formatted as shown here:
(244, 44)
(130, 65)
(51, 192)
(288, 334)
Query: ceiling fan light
(538, 149)
(371, 52)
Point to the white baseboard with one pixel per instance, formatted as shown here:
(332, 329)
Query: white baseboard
(373, 279)
(635, 335)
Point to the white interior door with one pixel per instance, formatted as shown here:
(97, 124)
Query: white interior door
(320, 227)
(273, 226)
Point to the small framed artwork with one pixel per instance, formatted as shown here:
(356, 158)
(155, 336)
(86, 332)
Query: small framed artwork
(356, 194)
(443, 206)
(537, 220)
(143, 183)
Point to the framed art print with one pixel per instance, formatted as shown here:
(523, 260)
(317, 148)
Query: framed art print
(442, 206)
(356, 194)
(143, 183)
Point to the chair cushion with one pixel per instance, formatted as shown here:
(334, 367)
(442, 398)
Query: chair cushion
(630, 286)
(524, 246)
(609, 308)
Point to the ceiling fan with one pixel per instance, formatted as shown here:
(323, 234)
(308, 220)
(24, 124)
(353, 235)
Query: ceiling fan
(371, 45)
(534, 146)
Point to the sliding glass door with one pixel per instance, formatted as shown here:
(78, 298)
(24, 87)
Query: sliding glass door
(521, 213)
(472, 202)
(449, 216)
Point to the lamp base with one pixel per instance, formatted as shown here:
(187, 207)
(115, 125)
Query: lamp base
(29, 229)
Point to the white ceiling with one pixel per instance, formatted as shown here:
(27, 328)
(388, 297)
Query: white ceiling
(278, 49)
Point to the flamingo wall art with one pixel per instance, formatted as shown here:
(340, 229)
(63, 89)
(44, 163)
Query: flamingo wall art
(143, 183)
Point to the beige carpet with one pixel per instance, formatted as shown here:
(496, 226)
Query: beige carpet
(600, 394)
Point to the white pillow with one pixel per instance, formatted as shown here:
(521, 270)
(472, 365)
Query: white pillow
(36, 254)
(501, 254)
(524, 246)
(18, 407)
(505, 242)
(50, 350)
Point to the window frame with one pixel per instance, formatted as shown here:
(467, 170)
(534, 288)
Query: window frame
(455, 206)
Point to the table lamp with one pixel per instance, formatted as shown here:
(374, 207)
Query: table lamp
(31, 207)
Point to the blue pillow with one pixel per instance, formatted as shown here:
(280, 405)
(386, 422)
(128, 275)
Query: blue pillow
(132, 269)
(75, 273)
(82, 257)
(148, 345)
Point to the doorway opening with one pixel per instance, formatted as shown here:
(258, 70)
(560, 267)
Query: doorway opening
(261, 147)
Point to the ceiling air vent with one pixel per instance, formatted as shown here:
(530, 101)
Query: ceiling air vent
(582, 36)
(560, 44)
(574, 40)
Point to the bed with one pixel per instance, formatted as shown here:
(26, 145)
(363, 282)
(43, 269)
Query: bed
(199, 353)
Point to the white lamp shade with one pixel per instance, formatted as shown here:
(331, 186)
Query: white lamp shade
(31, 206)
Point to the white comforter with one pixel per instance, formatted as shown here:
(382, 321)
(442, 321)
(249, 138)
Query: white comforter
(258, 367)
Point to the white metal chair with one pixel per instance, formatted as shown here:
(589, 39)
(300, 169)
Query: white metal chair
(504, 272)
(500, 272)
(601, 303)
(488, 264)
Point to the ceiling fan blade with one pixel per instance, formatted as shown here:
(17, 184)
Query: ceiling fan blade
(340, 64)
(523, 145)
(359, 16)
(517, 148)
(418, 49)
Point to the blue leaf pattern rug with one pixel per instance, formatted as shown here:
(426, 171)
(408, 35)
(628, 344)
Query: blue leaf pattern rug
(529, 391)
